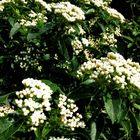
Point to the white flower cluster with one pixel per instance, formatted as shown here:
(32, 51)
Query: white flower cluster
(104, 5)
(72, 30)
(99, 3)
(85, 41)
(61, 138)
(44, 4)
(2, 2)
(114, 68)
(117, 31)
(68, 10)
(77, 45)
(115, 13)
(69, 115)
(34, 101)
(27, 58)
(109, 39)
(34, 19)
(5, 110)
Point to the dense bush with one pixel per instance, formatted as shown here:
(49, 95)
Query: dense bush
(69, 70)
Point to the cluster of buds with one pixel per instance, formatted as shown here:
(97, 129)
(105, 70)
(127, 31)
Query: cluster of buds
(5, 110)
(69, 11)
(114, 68)
(34, 101)
(69, 115)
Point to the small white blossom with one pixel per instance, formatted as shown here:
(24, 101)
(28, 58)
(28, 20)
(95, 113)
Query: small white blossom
(5, 110)
(61, 138)
(67, 10)
(115, 13)
(114, 68)
(34, 101)
(68, 113)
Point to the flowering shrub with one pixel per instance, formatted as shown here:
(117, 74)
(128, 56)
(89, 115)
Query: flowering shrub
(83, 58)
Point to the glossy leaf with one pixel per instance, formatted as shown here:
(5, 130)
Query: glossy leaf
(10, 129)
(14, 29)
(115, 108)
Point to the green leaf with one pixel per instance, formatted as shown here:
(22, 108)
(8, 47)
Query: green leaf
(4, 99)
(14, 29)
(102, 136)
(63, 49)
(11, 21)
(1, 59)
(93, 131)
(102, 27)
(136, 106)
(132, 117)
(90, 11)
(130, 45)
(53, 86)
(128, 38)
(46, 57)
(32, 36)
(46, 130)
(4, 124)
(10, 129)
(126, 126)
(115, 108)
(88, 82)
(75, 63)
(83, 93)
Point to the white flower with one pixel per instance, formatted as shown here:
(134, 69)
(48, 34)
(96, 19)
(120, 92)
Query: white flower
(60, 138)
(34, 101)
(67, 111)
(68, 11)
(114, 68)
(5, 110)
(85, 41)
(115, 13)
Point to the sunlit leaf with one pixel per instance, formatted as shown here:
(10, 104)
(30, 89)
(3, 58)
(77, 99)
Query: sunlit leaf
(93, 131)
(53, 86)
(14, 29)
(115, 108)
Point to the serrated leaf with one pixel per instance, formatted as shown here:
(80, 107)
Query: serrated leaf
(46, 130)
(93, 131)
(115, 108)
(14, 29)
(4, 124)
(10, 130)
(126, 126)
